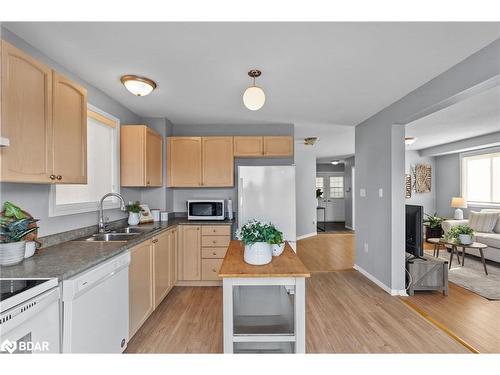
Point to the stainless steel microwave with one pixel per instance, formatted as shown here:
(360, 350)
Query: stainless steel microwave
(206, 209)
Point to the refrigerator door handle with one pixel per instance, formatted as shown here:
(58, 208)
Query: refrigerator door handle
(240, 208)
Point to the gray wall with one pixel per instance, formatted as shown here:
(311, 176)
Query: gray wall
(379, 145)
(348, 164)
(305, 189)
(447, 183)
(181, 195)
(428, 200)
(34, 198)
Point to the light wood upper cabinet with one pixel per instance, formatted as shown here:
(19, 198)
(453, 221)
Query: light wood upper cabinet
(248, 146)
(184, 166)
(26, 117)
(162, 269)
(190, 253)
(276, 146)
(218, 161)
(44, 115)
(141, 300)
(69, 103)
(141, 159)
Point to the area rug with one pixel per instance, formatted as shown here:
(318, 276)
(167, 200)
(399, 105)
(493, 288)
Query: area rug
(472, 276)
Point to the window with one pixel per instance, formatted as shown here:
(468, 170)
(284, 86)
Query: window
(320, 184)
(481, 178)
(102, 170)
(336, 187)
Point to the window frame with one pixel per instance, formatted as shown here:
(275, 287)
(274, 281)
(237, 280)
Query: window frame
(78, 208)
(330, 186)
(463, 176)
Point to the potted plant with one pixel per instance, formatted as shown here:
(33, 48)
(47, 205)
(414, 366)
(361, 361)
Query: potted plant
(433, 227)
(134, 212)
(15, 226)
(319, 194)
(258, 238)
(461, 233)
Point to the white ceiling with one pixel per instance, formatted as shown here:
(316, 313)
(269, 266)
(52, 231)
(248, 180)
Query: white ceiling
(474, 116)
(318, 76)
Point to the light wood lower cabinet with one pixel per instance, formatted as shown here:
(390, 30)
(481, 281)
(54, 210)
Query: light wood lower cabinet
(141, 303)
(189, 253)
(161, 251)
(210, 269)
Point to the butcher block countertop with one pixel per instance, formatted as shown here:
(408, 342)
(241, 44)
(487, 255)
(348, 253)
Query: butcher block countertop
(287, 264)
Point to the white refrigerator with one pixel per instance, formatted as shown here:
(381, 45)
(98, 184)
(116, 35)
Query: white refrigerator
(268, 194)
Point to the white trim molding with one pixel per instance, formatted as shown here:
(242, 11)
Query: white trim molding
(312, 234)
(392, 292)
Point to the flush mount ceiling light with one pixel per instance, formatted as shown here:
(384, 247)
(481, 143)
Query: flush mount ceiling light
(410, 140)
(335, 162)
(310, 141)
(254, 97)
(139, 86)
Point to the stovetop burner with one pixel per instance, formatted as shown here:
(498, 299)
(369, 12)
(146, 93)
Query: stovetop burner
(11, 287)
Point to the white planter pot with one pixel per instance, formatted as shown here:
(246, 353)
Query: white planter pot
(258, 253)
(278, 249)
(12, 253)
(133, 218)
(465, 239)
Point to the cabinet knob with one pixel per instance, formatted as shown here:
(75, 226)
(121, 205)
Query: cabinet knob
(52, 176)
(148, 182)
(214, 242)
(214, 253)
(214, 230)
(59, 177)
(214, 270)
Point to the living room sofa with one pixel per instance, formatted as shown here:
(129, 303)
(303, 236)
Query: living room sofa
(491, 239)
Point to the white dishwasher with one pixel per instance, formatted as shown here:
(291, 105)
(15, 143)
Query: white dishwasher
(95, 308)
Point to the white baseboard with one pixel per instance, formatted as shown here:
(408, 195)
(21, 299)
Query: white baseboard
(312, 234)
(348, 227)
(392, 292)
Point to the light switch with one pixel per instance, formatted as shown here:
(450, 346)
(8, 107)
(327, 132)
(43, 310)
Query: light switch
(362, 192)
(380, 192)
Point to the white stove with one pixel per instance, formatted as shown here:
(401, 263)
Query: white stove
(29, 316)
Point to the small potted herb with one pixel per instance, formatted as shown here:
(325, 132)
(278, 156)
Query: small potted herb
(15, 226)
(259, 238)
(319, 194)
(462, 234)
(134, 212)
(433, 227)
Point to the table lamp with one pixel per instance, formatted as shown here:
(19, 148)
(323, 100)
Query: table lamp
(458, 203)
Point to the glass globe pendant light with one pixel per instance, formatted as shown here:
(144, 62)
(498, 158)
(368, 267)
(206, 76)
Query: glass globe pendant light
(254, 97)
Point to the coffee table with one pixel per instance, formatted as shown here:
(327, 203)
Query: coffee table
(437, 242)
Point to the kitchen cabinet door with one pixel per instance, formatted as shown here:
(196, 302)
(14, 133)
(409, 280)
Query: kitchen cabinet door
(173, 256)
(154, 158)
(184, 162)
(70, 130)
(161, 249)
(140, 286)
(218, 161)
(132, 155)
(190, 253)
(26, 117)
(248, 146)
(278, 146)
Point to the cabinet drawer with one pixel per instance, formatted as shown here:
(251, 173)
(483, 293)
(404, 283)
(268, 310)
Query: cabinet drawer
(214, 241)
(216, 230)
(210, 269)
(213, 252)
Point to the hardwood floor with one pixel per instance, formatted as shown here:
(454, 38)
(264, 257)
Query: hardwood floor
(346, 313)
(467, 315)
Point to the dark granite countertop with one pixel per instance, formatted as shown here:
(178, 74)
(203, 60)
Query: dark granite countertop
(69, 258)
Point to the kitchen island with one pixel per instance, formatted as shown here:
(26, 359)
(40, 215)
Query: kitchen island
(264, 306)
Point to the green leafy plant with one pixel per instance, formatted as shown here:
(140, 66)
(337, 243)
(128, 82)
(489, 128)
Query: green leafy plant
(258, 231)
(319, 193)
(15, 225)
(433, 221)
(134, 207)
(454, 232)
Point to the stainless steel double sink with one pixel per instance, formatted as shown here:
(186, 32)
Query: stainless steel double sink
(117, 235)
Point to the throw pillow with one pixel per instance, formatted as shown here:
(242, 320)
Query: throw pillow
(483, 221)
(497, 227)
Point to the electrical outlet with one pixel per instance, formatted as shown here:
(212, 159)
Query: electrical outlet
(380, 192)
(362, 192)
(366, 247)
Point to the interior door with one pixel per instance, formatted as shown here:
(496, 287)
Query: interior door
(184, 161)
(218, 161)
(26, 117)
(70, 130)
(154, 159)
